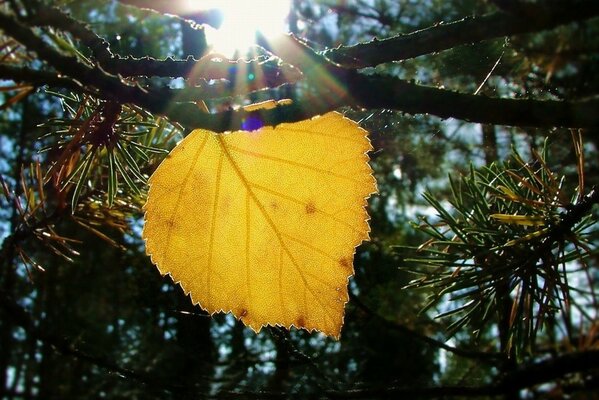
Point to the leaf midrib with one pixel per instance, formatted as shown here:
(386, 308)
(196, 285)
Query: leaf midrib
(224, 147)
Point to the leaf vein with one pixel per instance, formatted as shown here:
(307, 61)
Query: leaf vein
(324, 134)
(213, 225)
(247, 247)
(311, 247)
(303, 203)
(225, 150)
(293, 163)
(181, 190)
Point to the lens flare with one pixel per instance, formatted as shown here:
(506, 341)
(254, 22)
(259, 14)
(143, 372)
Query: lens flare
(243, 19)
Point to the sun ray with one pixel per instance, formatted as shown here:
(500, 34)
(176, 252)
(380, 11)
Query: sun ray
(242, 20)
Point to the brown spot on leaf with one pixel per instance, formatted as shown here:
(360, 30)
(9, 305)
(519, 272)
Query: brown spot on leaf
(274, 205)
(243, 313)
(301, 322)
(346, 263)
(310, 208)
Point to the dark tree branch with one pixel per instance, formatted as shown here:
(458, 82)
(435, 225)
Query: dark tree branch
(22, 318)
(332, 87)
(376, 91)
(366, 91)
(70, 66)
(54, 17)
(392, 93)
(415, 391)
(466, 31)
(341, 87)
(39, 78)
(574, 214)
(558, 367)
(108, 86)
(524, 377)
(475, 355)
(270, 72)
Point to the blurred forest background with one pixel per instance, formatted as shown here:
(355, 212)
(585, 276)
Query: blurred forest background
(451, 298)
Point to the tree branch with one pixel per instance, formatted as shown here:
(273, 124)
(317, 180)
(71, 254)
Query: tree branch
(376, 91)
(269, 72)
(331, 87)
(574, 214)
(466, 31)
(415, 391)
(475, 355)
(545, 371)
(39, 78)
(337, 87)
(391, 93)
(110, 85)
(22, 318)
(524, 377)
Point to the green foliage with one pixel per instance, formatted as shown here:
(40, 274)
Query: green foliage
(101, 143)
(509, 262)
(514, 237)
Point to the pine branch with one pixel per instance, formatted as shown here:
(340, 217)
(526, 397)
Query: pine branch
(466, 31)
(574, 214)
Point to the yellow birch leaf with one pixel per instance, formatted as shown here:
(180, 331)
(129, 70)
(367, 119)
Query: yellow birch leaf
(264, 224)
